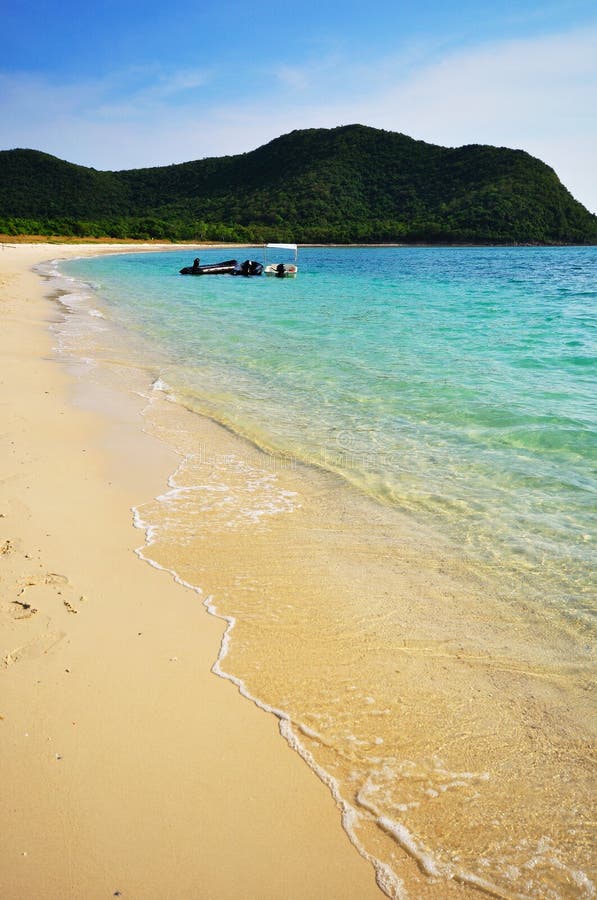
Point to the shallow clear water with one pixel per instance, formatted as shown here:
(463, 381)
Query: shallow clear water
(427, 628)
(456, 383)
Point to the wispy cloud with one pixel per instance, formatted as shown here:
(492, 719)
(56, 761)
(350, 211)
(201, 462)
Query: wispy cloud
(532, 85)
(33, 98)
(295, 77)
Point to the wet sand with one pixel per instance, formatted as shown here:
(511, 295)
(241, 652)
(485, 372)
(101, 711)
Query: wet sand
(450, 713)
(128, 768)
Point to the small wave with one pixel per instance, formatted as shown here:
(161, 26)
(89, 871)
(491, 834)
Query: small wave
(386, 879)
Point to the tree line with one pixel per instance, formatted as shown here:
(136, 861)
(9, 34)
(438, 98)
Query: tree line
(344, 185)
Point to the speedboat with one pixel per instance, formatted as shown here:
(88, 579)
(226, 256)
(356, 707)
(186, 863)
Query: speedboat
(281, 269)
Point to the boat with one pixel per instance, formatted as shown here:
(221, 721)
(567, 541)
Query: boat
(228, 267)
(281, 269)
(221, 268)
(248, 267)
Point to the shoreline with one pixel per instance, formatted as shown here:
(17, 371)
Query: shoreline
(272, 581)
(7, 241)
(360, 631)
(131, 767)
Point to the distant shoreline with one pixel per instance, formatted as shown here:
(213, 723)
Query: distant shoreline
(8, 239)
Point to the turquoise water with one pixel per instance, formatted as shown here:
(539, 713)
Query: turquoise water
(455, 384)
(425, 631)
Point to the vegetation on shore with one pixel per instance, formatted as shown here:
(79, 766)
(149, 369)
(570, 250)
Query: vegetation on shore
(351, 184)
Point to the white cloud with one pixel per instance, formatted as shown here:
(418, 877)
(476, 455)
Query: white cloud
(532, 86)
(295, 77)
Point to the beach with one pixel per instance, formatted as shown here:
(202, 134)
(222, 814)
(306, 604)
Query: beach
(129, 769)
(296, 594)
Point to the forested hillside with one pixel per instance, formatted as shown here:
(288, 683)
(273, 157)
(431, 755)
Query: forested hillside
(347, 184)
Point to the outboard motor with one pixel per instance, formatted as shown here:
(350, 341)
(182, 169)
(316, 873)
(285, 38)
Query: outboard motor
(249, 267)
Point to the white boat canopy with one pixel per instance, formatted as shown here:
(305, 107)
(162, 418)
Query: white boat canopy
(288, 269)
(274, 247)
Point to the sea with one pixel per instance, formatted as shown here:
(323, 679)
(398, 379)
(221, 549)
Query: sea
(386, 491)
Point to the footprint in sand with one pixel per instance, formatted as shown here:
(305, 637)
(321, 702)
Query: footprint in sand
(34, 648)
(21, 610)
(48, 590)
(51, 578)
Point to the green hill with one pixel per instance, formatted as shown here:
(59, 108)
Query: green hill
(347, 184)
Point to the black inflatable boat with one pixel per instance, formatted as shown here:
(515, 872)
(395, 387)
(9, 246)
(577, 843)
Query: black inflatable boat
(221, 268)
(228, 267)
(249, 267)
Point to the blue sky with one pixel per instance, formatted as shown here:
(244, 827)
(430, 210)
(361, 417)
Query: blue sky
(125, 84)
